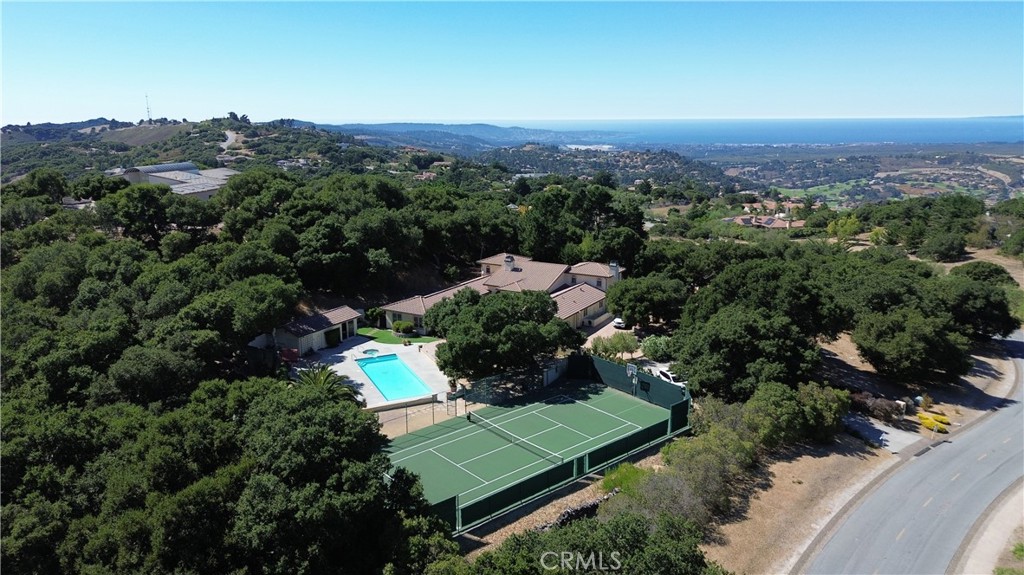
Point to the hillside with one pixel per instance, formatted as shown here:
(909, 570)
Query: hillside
(146, 133)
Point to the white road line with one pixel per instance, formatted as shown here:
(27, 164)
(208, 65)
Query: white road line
(900, 534)
(927, 502)
(954, 477)
(983, 456)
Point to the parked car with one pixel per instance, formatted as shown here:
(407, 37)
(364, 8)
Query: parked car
(671, 378)
(618, 323)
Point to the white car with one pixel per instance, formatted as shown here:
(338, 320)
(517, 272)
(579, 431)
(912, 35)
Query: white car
(671, 378)
(618, 323)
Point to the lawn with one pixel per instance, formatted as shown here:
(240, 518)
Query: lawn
(389, 337)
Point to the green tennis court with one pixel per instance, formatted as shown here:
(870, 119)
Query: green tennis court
(502, 446)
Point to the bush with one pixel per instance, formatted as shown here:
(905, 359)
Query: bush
(929, 423)
(657, 348)
(374, 316)
(926, 401)
(948, 247)
(402, 327)
(626, 477)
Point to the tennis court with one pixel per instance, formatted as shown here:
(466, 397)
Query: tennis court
(497, 448)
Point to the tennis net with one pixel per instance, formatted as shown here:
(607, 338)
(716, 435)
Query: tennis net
(515, 439)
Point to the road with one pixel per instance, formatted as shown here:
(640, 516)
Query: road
(917, 519)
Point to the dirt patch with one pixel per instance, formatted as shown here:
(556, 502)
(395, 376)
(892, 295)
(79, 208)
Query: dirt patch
(1007, 560)
(807, 486)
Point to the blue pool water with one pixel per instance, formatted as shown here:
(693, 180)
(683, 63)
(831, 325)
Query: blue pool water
(392, 377)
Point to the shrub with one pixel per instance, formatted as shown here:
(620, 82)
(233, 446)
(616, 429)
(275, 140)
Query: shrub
(929, 423)
(940, 418)
(658, 348)
(626, 477)
(824, 408)
(402, 326)
(926, 401)
(374, 315)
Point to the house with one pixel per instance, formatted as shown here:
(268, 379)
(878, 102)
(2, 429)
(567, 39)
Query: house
(768, 222)
(322, 329)
(414, 308)
(184, 178)
(580, 304)
(579, 290)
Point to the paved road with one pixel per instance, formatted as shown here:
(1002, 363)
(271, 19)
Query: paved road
(916, 520)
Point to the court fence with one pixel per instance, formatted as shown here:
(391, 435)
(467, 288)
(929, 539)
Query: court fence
(463, 516)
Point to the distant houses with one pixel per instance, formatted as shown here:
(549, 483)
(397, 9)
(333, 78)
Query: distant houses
(780, 220)
(184, 178)
(578, 290)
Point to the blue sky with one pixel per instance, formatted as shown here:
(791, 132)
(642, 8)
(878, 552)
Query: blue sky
(511, 62)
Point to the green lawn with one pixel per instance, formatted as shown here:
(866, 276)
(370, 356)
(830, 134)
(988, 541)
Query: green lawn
(387, 336)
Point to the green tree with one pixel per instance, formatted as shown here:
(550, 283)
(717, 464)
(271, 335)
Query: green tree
(502, 332)
(906, 345)
(738, 349)
(644, 300)
(945, 247)
(323, 376)
(844, 229)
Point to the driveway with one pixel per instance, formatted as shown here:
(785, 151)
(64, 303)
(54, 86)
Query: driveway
(888, 437)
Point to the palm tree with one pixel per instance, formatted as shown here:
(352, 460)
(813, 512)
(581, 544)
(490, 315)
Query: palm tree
(337, 384)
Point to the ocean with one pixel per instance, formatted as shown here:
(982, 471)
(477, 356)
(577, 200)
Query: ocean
(775, 132)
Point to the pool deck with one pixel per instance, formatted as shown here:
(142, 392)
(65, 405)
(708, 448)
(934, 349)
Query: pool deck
(418, 357)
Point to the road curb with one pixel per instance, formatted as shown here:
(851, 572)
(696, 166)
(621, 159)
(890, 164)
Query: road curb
(912, 451)
(962, 557)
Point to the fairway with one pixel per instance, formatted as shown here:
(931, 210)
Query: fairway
(472, 460)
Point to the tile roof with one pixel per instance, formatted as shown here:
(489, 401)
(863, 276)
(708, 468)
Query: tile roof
(499, 259)
(592, 269)
(419, 304)
(527, 275)
(321, 321)
(574, 299)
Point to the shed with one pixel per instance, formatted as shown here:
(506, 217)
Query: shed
(319, 330)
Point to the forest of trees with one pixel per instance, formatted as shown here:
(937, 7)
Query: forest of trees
(139, 437)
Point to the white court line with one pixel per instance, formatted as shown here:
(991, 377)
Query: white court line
(522, 468)
(510, 444)
(611, 415)
(457, 465)
(557, 424)
(461, 431)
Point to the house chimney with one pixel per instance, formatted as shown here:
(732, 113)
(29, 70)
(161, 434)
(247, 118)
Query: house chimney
(510, 263)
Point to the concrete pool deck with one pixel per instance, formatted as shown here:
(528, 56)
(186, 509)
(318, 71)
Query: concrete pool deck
(418, 357)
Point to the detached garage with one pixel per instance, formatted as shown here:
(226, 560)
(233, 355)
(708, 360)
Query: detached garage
(318, 331)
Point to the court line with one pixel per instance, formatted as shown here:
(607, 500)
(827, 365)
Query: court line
(461, 431)
(458, 465)
(611, 415)
(572, 429)
(489, 493)
(510, 444)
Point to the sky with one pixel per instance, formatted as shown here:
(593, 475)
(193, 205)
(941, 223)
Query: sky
(507, 63)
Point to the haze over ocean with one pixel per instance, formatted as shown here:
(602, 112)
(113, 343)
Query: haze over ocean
(814, 131)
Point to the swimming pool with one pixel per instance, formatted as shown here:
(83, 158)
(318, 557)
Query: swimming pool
(393, 378)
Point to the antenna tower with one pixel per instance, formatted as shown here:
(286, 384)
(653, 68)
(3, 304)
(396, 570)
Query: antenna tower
(149, 116)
